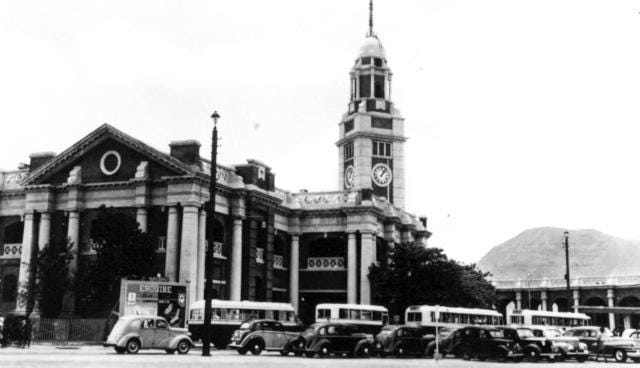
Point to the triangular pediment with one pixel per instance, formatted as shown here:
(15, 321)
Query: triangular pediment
(107, 155)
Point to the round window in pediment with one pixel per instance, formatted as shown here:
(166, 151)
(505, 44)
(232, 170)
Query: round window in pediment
(110, 162)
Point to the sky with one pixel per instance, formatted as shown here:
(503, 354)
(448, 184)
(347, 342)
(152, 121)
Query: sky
(519, 113)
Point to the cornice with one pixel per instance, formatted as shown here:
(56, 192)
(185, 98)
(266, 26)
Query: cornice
(371, 135)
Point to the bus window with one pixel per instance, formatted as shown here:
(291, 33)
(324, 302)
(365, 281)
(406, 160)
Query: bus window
(414, 317)
(354, 314)
(365, 315)
(324, 313)
(268, 314)
(344, 313)
(233, 314)
(377, 316)
(385, 318)
(291, 317)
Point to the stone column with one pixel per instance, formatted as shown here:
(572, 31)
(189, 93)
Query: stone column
(294, 271)
(367, 247)
(610, 303)
(236, 260)
(44, 233)
(141, 217)
(25, 261)
(202, 248)
(171, 255)
(576, 300)
(519, 300)
(73, 233)
(543, 299)
(352, 288)
(189, 249)
(371, 92)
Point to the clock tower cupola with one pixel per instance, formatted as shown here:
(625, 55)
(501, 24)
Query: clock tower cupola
(371, 144)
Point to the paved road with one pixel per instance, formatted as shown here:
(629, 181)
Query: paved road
(93, 356)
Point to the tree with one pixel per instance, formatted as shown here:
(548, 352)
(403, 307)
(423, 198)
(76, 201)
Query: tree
(122, 250)
(417, 275)
(49, 280)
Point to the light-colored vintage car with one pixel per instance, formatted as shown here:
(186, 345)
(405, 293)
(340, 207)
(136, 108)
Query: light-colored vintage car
(132, 333)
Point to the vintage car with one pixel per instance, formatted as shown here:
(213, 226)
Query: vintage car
(135, 332)
(326, 338)
(401, 340)
(484, 342)
(569, 347)
(262, 334)
(533, 347)
(620, 348)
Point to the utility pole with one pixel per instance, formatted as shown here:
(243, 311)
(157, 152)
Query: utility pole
(208, 259)
(566, 253)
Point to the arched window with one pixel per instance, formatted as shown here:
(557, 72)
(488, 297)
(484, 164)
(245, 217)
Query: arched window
(9, 288)
(13, 233)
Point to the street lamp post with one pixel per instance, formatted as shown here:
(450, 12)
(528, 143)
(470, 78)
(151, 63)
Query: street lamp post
(208, 260)
(567, 276)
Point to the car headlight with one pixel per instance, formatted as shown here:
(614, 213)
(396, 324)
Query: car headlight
(582, 346)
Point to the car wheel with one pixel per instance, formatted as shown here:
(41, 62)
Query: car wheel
(309, 354)
(242, 351)
(466, 355)
(532, 355)
(620, 356)
(133, 346)
(120, 350)
(324, 351)
(582, 359)
(169, 351)
(256, 347)
(364, 351)
(400, 351)
(183, 346)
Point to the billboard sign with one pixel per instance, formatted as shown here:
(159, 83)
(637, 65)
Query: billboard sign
(158, 298)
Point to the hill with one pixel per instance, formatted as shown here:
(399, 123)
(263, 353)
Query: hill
(540, 251)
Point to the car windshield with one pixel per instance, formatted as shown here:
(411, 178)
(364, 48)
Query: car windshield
(525, 332)
(552, 333)
(496, 333)
(245, 326)
(308, 331)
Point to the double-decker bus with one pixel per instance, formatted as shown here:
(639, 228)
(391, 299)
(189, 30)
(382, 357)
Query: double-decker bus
(528, 317)
(227, 316)
(424, 316)
(369, 318)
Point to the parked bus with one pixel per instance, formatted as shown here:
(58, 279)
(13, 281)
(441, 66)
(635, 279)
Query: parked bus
(424, 316)
(369, 318)
(528, 317)
(227, 316)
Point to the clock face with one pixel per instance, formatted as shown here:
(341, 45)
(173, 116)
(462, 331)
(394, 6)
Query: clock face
(349, 177)
(381, 175)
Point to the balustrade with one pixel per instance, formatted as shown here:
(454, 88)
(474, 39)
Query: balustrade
(325, 263)
(11, 250)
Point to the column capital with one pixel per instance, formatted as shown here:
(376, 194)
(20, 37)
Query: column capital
(543, 294)
(576, 294)
(610, 293)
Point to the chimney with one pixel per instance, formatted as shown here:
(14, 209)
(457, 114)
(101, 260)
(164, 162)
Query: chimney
(423, 219)
(40, 158)
(186, 151)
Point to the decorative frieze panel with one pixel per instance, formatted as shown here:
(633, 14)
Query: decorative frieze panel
(325, 263)
(13, 250)
(217, 250)
(561, 283)
(12, 180)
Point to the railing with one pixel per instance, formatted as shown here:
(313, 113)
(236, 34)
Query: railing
(560, 283)
(11, 250)
(64, 331)
(259, 255)
(278, 262)
(217, 250)
(325, 263)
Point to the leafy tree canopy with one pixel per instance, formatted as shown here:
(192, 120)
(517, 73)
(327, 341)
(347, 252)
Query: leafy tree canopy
(122, 251)
(416, 275)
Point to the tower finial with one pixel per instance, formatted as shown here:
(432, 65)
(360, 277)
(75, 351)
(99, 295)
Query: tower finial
(370, 18)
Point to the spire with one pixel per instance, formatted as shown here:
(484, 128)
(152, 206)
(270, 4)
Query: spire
(371, 19)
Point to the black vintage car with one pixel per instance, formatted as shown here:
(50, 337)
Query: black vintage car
(445, 337)
(485, 343)
(619, 348)
(262, 334)
(533, 347)
(324, 339)
(400, 340)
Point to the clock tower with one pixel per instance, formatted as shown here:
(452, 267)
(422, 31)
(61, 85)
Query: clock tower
(371, 144)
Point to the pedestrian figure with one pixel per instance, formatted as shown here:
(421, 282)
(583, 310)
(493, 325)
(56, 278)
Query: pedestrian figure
(600, 344)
